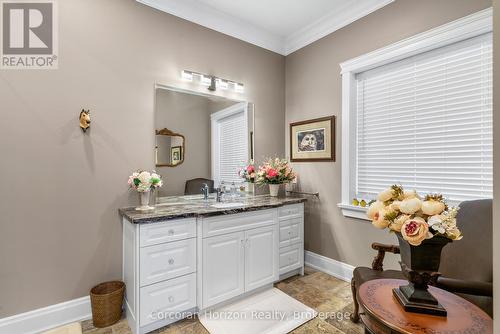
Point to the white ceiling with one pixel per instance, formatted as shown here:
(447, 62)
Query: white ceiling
(282, 26)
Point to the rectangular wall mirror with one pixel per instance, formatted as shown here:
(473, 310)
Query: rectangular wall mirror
(200, 138)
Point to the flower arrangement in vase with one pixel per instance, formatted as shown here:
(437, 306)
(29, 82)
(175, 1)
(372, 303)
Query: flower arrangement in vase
(423, 227)
(248, 173)
(275, 172)
(143, 182)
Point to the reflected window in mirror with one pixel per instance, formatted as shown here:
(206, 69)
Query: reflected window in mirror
(170, 147)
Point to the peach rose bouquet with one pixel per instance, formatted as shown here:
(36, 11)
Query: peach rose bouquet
(415, 218)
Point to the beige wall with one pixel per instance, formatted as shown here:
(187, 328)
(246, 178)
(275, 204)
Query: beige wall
(313, 89)
(60, 232)
(496, 162)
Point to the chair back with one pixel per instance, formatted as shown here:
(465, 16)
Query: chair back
(193, 187)
(472, 257)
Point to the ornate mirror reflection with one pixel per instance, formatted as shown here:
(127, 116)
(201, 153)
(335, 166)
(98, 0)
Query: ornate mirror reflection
(170, 147)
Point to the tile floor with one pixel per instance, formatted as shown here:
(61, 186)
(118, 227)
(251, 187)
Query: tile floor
(328, 295)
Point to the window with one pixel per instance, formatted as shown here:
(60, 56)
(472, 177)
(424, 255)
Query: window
(424, 121)
(229, 143)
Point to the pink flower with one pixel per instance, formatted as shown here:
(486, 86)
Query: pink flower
(272, 173)
(250, 169)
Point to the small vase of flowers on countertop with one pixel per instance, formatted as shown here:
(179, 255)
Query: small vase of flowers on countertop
(249, 175)
(143, 182)
(275, 172)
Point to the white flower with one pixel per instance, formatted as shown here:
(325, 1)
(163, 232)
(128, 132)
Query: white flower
(410, 205)
(436, 223)
(386, 195)
(409, 194)
(379, 220)
(143, 188)
(432, 207)
(436, 219)
(395, 205)
(144, 177)
(374, 208)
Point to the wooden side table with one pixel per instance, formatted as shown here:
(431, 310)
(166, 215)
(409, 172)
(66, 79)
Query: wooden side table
(383, 313)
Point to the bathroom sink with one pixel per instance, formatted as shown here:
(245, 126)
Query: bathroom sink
(227, 205)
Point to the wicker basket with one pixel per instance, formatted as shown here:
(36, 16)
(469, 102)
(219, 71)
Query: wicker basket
(107, 300)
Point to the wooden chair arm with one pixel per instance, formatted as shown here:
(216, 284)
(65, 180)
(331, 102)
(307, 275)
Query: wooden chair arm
(378, 261)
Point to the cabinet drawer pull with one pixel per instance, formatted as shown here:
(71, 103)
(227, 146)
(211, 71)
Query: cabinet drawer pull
(171, 261)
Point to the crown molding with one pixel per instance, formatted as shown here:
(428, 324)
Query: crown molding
(214, 19)
(466, 27)
(332, 22)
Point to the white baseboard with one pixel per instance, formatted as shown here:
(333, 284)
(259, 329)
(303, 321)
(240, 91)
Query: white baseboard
(332, 267)
(36, 321)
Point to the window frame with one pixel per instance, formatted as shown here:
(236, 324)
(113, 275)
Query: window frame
(456, 31)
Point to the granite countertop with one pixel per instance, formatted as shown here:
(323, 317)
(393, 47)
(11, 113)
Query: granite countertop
(195, 206)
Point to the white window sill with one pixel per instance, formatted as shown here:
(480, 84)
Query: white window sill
(352, 211)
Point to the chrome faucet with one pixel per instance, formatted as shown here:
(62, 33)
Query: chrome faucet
(205, 190)
(218, 191)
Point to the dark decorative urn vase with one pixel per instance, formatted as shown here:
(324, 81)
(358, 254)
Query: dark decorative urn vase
(420, 265)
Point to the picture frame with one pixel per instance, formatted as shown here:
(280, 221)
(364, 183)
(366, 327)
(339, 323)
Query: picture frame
(175, 154)
(313, 140)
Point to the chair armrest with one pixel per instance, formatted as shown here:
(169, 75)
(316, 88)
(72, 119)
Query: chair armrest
(467, 287)
(378, 261)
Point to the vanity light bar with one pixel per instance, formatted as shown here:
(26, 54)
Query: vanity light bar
(206, 80)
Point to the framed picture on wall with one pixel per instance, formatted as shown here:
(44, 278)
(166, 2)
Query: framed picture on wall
(313, 140)
(175, 154)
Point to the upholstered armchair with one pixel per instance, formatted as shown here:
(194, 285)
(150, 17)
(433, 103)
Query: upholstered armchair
(466, 265)
(193, 187)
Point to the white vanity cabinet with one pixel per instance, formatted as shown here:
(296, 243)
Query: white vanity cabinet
(291, 252)
(240, 254)
(175, 267)
(160, 272)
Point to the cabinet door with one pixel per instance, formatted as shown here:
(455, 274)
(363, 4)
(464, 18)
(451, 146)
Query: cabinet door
(261, 257)
(223, 268)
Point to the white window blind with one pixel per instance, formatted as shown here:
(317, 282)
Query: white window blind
(426, 122)
(232, 146)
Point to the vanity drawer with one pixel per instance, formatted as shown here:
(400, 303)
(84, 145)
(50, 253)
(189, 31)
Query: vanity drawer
(291, 258)
(175, 295)
(169, 260)
(291, 211)
(290, 233)
(224, 224)
(172, 230)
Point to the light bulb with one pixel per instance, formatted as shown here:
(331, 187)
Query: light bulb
(239, 88)
(221, 84)
(206, 80)
(187, 76)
